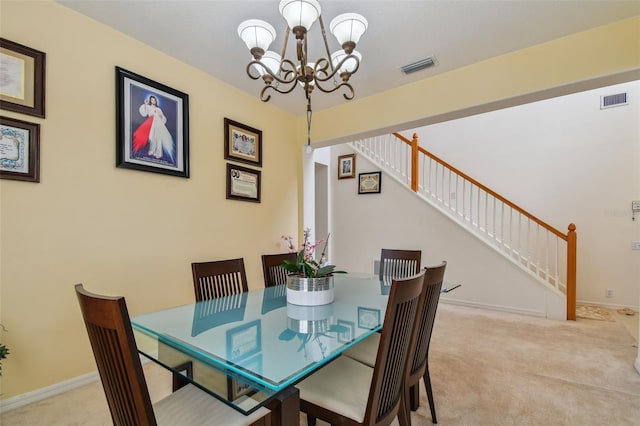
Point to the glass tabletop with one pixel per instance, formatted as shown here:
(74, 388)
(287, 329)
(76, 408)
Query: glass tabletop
(247, 347)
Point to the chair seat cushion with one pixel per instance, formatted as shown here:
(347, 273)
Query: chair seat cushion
(365, 351)
(343, 386)
(191, 406)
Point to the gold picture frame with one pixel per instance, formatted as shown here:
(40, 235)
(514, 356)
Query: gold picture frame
(347, 166)
(22, 87)
(242, 143)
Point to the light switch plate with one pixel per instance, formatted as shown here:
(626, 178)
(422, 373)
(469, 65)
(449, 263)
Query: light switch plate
(635, 206)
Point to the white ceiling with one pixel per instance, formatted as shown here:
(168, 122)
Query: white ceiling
(458, 33)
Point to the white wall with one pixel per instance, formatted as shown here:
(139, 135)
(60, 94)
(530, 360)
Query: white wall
(396, 219)
(564, 160)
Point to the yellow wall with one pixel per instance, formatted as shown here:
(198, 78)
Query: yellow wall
(134, 233)
(118, 231)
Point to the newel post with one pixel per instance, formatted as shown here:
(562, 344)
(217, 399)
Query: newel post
(414, 163)
(572, 249)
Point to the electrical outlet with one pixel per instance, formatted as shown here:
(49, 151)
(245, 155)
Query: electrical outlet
(609, 293)
(635, 245)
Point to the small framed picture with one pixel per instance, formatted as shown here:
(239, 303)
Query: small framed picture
(347, 166)
(22, 86)
(242, 143)
(369, 183)
(19, 150)
(368, 318)
(152, 126)
(243, 183)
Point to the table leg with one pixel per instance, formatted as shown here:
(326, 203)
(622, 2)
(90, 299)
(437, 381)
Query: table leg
(285, 408)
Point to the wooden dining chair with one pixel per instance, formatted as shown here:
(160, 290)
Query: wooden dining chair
(114, 348)
(219, 278)
(274, 273)
(347, 392)
(365, 350)
(398, 263)
(419, 365)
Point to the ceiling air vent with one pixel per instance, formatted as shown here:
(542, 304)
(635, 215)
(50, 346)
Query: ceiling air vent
(420, 65)
(611, 101)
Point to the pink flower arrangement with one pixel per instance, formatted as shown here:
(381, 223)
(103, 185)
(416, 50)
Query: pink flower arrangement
(305, 264)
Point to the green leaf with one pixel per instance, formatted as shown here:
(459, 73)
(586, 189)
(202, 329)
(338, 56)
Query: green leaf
(290, 266)
(309, 271)
(325, 270)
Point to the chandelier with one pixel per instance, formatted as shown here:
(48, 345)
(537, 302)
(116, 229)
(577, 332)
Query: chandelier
(328, 74)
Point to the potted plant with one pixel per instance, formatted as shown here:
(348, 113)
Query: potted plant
(309, 282)
(4, 351)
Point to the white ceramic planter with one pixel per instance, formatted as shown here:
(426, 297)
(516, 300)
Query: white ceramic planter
(310, 291)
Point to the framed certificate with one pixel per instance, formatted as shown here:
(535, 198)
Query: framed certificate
(243, 183)
(22, 85)
(242, 143)
(369, 183)
(19, 150)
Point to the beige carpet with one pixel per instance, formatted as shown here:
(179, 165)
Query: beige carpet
(487, 368)
(593, 312)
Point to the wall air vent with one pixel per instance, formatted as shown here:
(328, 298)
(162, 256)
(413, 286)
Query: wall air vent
(420, 65)
(611, 101)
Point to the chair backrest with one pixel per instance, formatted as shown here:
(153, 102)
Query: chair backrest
(219, 278)
(399, 263)
(115, 352)
(422, 333)
(274, 273)
(405, 299)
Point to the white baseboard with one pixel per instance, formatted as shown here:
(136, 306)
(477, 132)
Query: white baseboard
(53, 390)
(510, 309)
(47, 392)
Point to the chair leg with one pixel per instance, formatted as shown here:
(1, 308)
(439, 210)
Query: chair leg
(404, 414)
(179, 379)
(414, 397)
(427, 385)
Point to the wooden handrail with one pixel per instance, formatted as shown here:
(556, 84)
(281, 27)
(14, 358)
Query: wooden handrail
(479, 185)
(570, 237)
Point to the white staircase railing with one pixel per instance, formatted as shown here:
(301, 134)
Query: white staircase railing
(536, 247)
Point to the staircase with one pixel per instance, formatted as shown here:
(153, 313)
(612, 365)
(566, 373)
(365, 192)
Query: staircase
(540, 250)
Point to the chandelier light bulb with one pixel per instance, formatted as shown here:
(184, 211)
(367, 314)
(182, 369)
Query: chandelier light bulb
(348, 28)
(300, 13)
(257, 35)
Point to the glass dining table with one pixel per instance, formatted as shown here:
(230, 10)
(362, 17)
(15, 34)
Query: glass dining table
(250, 349)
